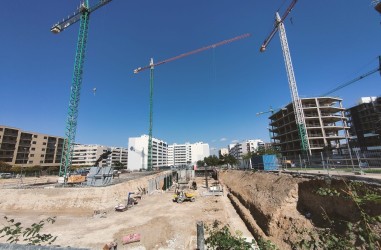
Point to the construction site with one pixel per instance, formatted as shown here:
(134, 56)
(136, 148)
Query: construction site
(322, 190)
(282, 207)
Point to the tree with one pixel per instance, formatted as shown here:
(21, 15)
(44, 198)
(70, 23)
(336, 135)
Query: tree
(5, 167)
(118, 165)
(247, 158)
(230, 160)
(200, 163)
(212, 160)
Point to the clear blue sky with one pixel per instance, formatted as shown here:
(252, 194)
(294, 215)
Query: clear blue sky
(212, 96)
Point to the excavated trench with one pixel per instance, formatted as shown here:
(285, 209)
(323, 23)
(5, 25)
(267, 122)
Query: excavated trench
(283, 208)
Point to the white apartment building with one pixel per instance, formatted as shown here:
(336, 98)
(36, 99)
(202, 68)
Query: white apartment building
(187, 154)
(244, 147)
(87, 155)
(223, 151)
(118, 155)
(138, 153)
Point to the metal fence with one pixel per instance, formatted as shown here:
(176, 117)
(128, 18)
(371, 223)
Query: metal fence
(355, 159)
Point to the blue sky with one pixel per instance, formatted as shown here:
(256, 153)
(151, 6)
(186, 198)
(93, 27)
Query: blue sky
(211, 96)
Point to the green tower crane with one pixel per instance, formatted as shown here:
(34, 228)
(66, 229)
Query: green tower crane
(151, 67)
(81, 14)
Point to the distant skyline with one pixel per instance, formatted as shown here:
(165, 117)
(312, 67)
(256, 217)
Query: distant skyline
(212, 96)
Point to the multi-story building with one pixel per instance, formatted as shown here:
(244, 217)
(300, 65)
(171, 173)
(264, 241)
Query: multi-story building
(118, 155)
(138, 153)
(27, 149)
(87, 155)
(364, 121)
(325, 125)
(244, 147)
(187, 154)
(223, 151)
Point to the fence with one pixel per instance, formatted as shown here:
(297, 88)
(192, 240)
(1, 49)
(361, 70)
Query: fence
(355, 159)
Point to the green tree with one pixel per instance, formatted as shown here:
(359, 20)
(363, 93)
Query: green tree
(229, 160)
(5, 167)
(200, 163)
(118, 165)
(212, 160)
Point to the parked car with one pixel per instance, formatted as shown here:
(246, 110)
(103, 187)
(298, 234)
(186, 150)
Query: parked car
(5, 175)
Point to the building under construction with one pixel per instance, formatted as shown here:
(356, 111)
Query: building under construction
(325, 126)
(364, 120)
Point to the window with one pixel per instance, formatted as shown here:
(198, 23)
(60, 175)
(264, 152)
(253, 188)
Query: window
(45, 137)
(41, 161)
(44, 143)
(32, 149)
(43, 149)
(34, 136)
(33, 142)
(31, 155)
(42, 155)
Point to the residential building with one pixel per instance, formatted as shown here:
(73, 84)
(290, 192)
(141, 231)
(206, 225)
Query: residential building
(325, 126)
(138, 153)
(187, 154)
(118, 155)
(244, 147)
(223, 151)
(18, 147)
(364, 121)
(87, 155)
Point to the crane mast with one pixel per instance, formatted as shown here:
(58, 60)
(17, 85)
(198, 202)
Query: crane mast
(152, 65)
(82, 14)
(296, 102)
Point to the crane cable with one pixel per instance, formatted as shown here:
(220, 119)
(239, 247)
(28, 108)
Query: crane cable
(355, 80)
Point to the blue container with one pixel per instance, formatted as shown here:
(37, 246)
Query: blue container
(265, 162)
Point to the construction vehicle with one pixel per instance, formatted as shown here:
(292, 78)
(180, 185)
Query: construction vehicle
(182, 196)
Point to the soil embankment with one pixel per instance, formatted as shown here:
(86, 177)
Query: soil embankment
(279, 207)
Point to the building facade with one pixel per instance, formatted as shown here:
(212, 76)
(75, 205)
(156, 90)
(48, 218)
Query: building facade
(138, 153)
(87, 155)
(326, 126)
(118, 155)
(364, 121)
(187, 154)
(18, 147)
(244, 147)
(222, 152)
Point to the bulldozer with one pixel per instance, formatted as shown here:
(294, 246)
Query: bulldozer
(182, 196)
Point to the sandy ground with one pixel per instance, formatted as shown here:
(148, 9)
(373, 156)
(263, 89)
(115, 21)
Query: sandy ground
(162, 223)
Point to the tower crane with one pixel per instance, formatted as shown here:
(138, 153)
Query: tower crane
(297, 104)
(152, 65)
(82, 14)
